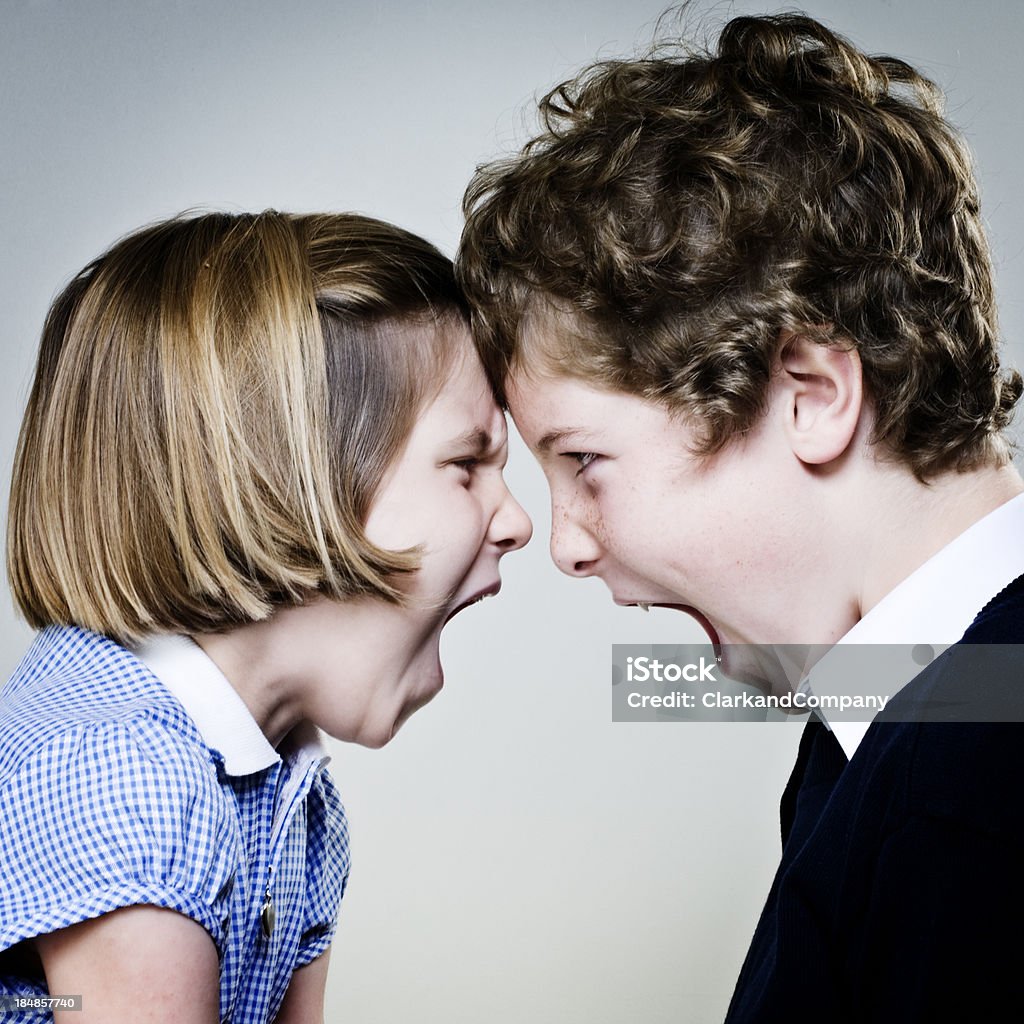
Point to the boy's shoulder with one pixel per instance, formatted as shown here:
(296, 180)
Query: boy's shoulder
(950, 749)
(918, 834)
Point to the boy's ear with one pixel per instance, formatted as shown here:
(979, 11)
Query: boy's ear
(820, 389)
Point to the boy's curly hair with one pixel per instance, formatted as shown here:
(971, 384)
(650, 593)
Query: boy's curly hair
(690, 208)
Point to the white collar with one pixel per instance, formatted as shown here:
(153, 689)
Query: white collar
(219, 713)
(937, 603)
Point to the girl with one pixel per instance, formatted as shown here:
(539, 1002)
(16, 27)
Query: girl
(260, 469)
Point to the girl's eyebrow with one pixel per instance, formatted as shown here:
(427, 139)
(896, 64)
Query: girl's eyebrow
(477, 440)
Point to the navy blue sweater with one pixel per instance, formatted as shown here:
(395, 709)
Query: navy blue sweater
(900, 895)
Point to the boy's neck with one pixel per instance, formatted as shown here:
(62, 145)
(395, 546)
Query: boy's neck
(915, 521)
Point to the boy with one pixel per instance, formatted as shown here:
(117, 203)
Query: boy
(740, 307)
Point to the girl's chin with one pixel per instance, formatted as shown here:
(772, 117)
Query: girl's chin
(412, 707)
(428, 682)
(414, 688)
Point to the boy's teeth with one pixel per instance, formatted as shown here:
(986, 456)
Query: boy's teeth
(645, 605)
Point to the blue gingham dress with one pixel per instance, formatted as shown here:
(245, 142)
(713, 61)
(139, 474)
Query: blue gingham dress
(109, 797)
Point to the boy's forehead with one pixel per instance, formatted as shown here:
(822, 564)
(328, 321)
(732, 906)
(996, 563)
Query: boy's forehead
(536, 394)
(533, 403)
(548, 407)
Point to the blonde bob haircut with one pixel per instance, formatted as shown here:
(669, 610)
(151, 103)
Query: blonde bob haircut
(216, 400)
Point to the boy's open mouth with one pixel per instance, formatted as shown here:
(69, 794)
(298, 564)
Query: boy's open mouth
(694, 613)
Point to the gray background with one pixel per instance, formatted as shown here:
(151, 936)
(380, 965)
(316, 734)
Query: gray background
(517, 857)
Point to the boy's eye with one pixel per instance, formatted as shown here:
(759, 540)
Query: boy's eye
(583, 459)
(467, 464)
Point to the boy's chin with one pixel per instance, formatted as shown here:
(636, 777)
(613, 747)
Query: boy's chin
(772, 668)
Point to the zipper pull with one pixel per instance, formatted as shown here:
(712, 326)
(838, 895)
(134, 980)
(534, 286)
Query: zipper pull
(268, 915)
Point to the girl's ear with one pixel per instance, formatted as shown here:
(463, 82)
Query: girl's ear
(820, 391)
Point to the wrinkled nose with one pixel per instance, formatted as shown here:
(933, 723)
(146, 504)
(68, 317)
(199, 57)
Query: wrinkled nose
(511, 528)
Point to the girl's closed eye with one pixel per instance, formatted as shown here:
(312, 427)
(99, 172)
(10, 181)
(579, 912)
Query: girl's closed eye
(467, 465)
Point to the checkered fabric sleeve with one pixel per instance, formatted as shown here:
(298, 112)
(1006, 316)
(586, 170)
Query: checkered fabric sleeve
(109, 814)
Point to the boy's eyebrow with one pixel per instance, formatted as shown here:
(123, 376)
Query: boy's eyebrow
(553, 437)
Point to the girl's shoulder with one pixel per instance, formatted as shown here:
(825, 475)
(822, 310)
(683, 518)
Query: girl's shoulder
(75, 687)
(108, 795)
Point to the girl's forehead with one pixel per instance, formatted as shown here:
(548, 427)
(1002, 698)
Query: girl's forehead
(463, 408)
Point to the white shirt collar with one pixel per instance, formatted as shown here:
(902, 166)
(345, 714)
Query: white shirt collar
(219, 713)
(937, 603)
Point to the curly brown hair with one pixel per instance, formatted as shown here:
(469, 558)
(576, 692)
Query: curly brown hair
(690, 208)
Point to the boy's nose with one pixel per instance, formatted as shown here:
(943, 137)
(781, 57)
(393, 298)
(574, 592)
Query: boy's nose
(574, 549)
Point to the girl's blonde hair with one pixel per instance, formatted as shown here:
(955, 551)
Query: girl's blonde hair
(216, 400)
